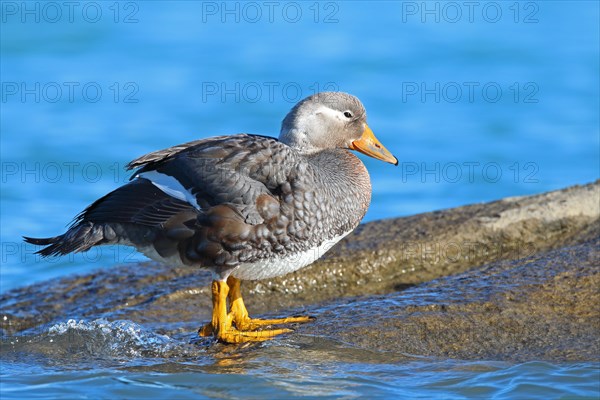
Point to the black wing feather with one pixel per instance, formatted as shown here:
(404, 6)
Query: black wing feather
(138, 202)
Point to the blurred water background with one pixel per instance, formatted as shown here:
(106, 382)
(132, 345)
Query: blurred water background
(478, 101)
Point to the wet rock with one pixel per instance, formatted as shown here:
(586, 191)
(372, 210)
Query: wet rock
(543, 307)
(512, 237)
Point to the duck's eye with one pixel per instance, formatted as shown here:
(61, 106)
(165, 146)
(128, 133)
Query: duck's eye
(347, 114)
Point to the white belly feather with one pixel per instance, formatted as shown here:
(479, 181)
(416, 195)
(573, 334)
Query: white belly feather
(263, 269)
(273, 267)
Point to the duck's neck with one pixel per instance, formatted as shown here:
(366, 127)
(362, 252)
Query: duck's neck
(345, 183)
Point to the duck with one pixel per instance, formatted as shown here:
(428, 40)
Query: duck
(244, 206)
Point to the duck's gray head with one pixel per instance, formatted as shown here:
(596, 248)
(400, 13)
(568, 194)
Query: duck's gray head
(331, 120)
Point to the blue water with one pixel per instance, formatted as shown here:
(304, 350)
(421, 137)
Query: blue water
(477, 104)
(120, 359)
(436, 380)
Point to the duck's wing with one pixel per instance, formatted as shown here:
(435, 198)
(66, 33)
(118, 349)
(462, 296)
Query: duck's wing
(228, 170)
(213, 190)
(244, 188)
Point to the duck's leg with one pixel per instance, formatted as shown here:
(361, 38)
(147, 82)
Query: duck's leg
(242, 320)
(221, 323)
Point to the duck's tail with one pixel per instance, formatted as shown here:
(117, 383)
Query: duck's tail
(138, 212)
(79, 237)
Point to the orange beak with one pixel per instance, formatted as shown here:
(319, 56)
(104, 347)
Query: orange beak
(369, 145)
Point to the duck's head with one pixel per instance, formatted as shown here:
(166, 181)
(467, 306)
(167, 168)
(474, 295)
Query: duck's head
(331, 120)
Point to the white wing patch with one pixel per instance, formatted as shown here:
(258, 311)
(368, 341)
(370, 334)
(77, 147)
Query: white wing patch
(170, 186)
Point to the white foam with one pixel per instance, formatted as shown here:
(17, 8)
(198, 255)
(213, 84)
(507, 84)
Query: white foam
(116, 338)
